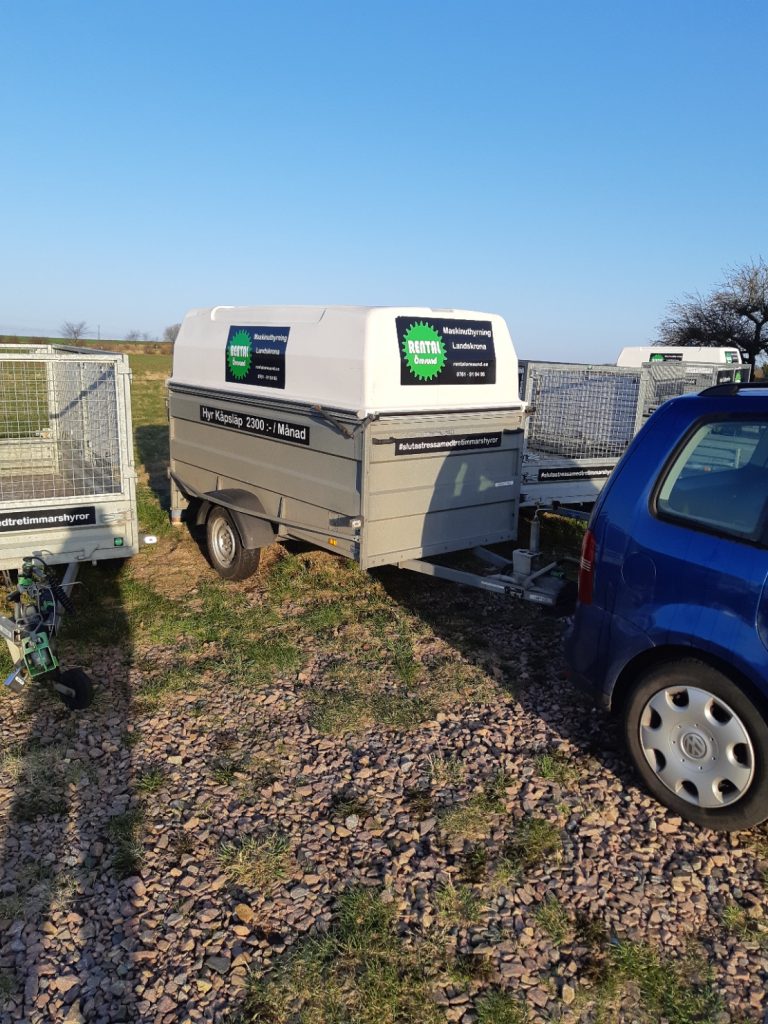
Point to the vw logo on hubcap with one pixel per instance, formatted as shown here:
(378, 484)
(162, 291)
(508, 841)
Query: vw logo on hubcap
(694, 746)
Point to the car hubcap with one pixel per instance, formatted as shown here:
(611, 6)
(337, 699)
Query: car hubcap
(697, 746)
(223, 543)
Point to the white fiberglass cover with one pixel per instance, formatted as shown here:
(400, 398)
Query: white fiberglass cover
(357, 358)
(637, 355)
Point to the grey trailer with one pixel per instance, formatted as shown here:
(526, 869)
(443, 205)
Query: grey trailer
(389, 435)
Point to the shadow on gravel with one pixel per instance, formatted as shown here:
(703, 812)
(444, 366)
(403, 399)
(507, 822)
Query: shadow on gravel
(521, 646)
(66, 934)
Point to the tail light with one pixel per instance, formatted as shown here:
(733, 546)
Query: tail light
(587, 568)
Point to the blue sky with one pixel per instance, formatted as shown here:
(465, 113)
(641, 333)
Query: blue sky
(573, 166)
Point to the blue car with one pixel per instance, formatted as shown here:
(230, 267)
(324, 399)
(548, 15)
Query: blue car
(671, 626)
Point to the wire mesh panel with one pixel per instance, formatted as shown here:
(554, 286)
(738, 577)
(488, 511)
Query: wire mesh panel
(665, 380)
(581, 411)
(59, 429)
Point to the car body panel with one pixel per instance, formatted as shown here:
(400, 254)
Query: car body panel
(661, 582)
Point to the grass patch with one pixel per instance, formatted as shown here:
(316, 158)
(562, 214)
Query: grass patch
(152, 516)
(471, 820)
(500, 1008)
(7, 985)
(150, 781)
(640, 984)
(401, 708)
(257, 862)
(359, 973)
(533, 841)
(744, 926)
(342, 806)
(561, 533)
(553, 920)
(420, 801)
(400, 647)
(446, 771)
(12, 907)
(39, 888)
(11, 758)
(181, 845)
(335, 713)
(475, 865)
(251, 640)
(252, 643)
(126, 832)
(148, 363)
(465, 968)
(457, 904)
(152, 691)
(42, 776)
(262, 772)
(496, 788)
(132, 738)
(348, 709)
(556, 767)
(225, 768)
(374, 668)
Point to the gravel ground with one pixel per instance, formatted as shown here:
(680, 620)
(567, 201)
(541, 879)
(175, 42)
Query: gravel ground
(159, 792)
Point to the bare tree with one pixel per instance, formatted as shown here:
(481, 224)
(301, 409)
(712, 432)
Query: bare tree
(171, 333)
(133, 336)
(701, 321)
(735, 314)
(74, 331)
(745, 295)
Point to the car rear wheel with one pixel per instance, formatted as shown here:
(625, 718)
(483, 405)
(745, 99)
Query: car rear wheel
(225, 549)
(700, 744)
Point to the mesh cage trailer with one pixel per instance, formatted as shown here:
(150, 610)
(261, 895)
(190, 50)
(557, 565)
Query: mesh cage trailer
(67, 477)
(582, 418)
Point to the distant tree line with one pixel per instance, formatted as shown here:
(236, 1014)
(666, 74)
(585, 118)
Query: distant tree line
(76, 330)
(734, 314)
(169, 334)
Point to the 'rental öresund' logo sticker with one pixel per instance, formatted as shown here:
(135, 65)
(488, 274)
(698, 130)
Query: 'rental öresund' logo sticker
(239, 354)
(424, 350)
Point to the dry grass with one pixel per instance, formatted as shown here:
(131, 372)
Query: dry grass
(361, 972)
(257, 862)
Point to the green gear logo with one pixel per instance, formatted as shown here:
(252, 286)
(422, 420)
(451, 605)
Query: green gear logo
(424, 351)
(239, 354)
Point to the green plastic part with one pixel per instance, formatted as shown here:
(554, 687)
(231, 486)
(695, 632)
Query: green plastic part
(37, 654)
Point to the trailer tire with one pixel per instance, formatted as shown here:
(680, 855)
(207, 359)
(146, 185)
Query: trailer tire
(226, 553)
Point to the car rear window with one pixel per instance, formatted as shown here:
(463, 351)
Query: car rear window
(719, 479)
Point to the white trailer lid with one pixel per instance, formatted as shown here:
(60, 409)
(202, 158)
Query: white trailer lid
(637, 355)
(358, 358)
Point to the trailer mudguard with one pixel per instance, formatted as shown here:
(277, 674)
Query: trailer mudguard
(247, 513)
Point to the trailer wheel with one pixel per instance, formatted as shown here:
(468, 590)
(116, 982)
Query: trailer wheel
(79, 681)
(225, 549)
